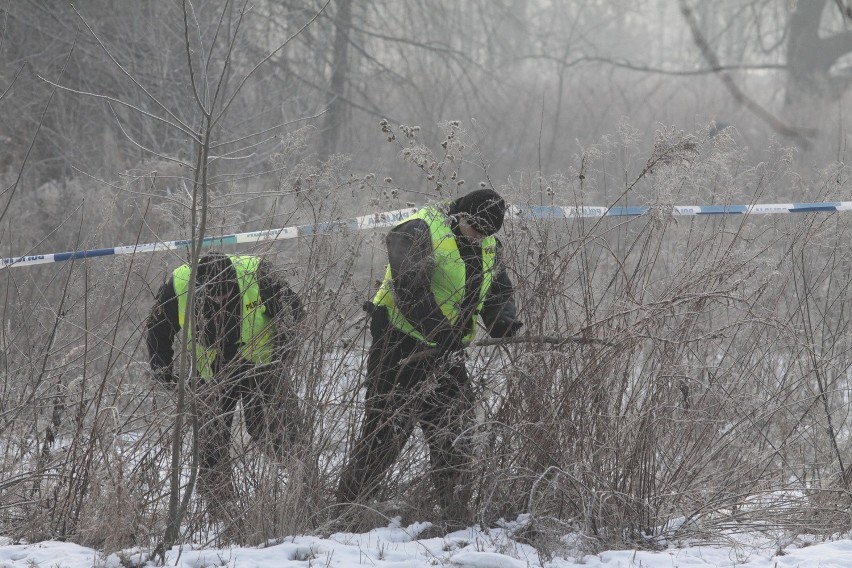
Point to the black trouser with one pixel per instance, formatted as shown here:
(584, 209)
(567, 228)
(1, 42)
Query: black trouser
(434, 392)
(271, 413)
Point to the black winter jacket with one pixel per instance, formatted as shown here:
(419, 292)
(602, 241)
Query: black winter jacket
(412, 260)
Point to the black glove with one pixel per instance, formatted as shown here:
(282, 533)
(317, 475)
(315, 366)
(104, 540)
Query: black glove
(513, 328)
(505, 327)
(165, 376)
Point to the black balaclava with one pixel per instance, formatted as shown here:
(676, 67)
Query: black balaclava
(485, 208)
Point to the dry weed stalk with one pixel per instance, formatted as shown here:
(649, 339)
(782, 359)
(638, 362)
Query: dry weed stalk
(716, 397)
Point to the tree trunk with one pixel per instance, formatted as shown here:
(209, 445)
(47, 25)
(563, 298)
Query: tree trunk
(809, 59)
(335, 116)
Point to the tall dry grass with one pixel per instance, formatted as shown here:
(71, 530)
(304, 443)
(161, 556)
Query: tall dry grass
(714, 398)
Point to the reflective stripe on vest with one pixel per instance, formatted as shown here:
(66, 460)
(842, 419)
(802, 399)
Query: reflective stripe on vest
(448, 277)
(257, 328)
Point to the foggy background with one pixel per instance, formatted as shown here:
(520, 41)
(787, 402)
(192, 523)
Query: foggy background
(717, 388)
(532, 83)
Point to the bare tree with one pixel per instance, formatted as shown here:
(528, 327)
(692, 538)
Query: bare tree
(813, 52)
(334, 118)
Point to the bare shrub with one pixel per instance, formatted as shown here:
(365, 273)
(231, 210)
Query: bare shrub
(695, 407)
(703, 387)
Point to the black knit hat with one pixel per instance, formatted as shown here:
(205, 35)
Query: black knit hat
(485, 208)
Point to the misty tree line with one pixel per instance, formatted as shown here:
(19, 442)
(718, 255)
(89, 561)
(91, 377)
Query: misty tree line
(718, 394)
(537, 80)
(574, 67)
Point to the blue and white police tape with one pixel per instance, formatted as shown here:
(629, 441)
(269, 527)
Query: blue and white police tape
(559, 212)
(389, 218)
(376, 220)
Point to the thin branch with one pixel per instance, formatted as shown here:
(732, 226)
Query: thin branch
(804, 298)
(264, 60)
(15, 78)
(186, 43)
(845, 10)
(5, 20)
(270, 129)
(226, 63)
(489, 342)
(427, 46)
(17, 181)
(140, 146)
(763, 114)
(179, 126)
(111, 185)
(647, 69)
(184, 127)
(2, 41)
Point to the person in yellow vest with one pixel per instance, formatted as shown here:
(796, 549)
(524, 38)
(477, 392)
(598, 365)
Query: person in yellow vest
(245, 315)
(444, 273)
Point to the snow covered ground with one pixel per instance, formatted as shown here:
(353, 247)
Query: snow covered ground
(399, 547)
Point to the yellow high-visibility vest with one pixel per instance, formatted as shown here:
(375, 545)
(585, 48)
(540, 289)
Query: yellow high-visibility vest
(448, 277)
(257, 328)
